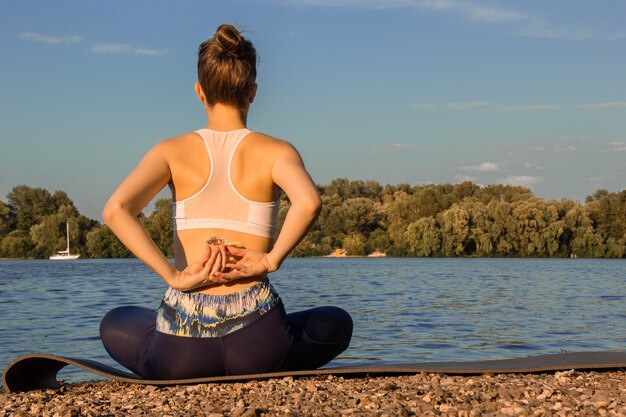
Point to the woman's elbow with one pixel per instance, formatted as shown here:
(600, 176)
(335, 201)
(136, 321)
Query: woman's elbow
(314, 205)
(308, 205)
(110, 211)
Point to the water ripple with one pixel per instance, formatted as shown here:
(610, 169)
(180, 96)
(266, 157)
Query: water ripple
(404, 310)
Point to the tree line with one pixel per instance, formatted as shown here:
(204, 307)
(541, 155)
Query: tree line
(32, 225)
(361, 217)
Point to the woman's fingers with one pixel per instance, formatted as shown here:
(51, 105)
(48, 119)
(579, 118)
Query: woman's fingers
(218, 257)
(223, 257)
(209, 266)
(235, 270)
(229, 276)
(217, 267)
(207, 253)
(228, 263)
(235, 251)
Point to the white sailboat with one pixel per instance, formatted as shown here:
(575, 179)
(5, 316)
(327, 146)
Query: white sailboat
(65, 254)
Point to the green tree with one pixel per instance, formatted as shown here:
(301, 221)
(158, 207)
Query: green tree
(389, 190)
(465, 190)
(481, 236)
(30, 205)
(354, 244)
(615, 248)
(330, 220)
(339, 187)
(504, 193)
(46, 237)
(431, 200)
(314, 244)
(424, 237)
(159, 226)
(16, 244)
(399, 211)
(61, 199)
(503, 229)
(400, 220)
(358, 215)
(538, 227)
(7, 219)
(378, 241)
(586, 243)
(102, 243)
(608, 213)
(285, 205)
(455, 230)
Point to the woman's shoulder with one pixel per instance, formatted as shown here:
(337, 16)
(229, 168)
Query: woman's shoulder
(271, 143)
(179, 139)
(177, 144)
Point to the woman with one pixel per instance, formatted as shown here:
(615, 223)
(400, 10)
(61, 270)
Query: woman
(220, 315)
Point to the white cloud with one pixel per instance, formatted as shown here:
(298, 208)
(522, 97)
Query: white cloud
(601, 179)
(519, 23)
(617, 146)
(563, 149)
(100, 48)
(467, 9)
(572, 138)
(538, 28)
(117, 49)
(472, 11)
(484, 167)
(530, 165)
(522, 180)
(603, 106)
(530, 107)
(47, 39)
(469, 105)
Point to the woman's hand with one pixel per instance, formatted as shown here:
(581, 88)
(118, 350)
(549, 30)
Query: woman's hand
(201, 272)
(245, 263)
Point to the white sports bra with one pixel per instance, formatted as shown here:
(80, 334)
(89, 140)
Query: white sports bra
(218, 205)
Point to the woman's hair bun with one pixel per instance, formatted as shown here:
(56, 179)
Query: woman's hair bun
(229, 41)
(227, 68)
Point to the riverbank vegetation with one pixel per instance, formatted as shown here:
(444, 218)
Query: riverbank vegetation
(361, 217)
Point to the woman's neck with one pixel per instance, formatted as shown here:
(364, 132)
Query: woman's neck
(225, 118)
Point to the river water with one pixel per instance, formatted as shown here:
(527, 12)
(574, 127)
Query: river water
(404, 310)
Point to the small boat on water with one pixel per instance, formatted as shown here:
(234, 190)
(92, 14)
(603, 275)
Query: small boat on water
(63, 255)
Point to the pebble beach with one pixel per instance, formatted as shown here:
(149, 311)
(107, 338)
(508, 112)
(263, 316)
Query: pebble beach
(567, 393)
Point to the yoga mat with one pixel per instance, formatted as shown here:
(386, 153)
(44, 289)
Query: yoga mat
(39, 371)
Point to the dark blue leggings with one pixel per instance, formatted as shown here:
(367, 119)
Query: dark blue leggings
(276, 341)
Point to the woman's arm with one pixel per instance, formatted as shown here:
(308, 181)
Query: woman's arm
(289, 174)
(120, 214)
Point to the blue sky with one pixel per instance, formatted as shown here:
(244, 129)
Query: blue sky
(529, 93)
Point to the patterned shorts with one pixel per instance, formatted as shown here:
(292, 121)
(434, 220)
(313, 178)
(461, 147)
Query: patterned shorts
(194, 314)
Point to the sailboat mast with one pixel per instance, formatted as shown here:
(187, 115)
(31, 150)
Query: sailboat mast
(67, 232)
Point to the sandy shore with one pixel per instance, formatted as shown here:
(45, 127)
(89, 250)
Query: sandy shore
(567, 393)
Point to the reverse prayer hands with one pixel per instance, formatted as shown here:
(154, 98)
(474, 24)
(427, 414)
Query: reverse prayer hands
(201, 272)
(243, 263)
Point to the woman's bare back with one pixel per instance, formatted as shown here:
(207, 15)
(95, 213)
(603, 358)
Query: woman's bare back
(251, 174)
